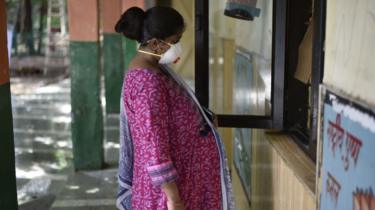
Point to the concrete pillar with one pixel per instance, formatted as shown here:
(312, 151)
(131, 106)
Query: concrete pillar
(126, 4)
(113, 62)
(8, 189)
(87, 119)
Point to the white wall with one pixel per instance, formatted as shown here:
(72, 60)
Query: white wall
(350, 48)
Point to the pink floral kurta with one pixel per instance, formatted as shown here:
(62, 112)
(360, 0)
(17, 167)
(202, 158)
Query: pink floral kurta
(165, 124)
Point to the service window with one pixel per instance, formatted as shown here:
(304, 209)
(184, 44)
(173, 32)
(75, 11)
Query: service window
(258, 64)
(240, 49)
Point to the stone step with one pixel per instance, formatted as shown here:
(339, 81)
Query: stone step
(112, 120)
(48, 111)
(41, 203)
(42, 144)
(112, 135)
(45, 101)
(40, 162)
(111, 153)
(20, 134)
(56, 124)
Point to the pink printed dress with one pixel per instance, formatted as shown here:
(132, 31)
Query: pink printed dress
(165, 124)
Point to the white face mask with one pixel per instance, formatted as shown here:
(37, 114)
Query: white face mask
(172, 55)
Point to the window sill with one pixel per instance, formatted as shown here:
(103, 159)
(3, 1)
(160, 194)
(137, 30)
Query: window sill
(295, 158)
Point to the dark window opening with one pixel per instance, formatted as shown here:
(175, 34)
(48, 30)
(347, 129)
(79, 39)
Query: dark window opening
(304, 70)
(297, 103)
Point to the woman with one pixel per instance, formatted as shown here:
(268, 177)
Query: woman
(173, 158)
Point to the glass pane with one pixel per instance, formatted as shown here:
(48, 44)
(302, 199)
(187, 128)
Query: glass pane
(242, 162)
(240, 56)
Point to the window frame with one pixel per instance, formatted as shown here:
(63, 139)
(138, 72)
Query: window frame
(276, 119)
(317, 71)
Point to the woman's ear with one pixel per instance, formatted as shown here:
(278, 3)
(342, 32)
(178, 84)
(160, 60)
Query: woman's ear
(157, 46)
(153, 44)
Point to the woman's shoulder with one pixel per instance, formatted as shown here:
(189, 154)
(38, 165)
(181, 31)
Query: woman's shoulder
(144, 73)
(143, 77)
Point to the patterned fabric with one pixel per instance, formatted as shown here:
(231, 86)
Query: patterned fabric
(162, 173)
(226, 183)
(165, 122)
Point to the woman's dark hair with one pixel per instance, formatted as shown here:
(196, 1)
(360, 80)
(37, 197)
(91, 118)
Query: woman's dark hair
(157, 22)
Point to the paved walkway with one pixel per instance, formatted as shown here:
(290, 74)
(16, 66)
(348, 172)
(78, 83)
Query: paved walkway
(44, 170)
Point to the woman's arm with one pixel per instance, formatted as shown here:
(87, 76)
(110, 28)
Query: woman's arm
(152, 113)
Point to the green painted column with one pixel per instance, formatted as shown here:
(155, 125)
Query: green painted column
(87, 122)
(113, 68)
(87, 117)
(113, 63)
(8, 189)
(130, 49)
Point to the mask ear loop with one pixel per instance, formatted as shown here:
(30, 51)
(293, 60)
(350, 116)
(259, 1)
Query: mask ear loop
(149, 53)
(146, 52)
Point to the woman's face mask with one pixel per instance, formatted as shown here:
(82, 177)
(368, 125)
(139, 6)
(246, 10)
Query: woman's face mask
(172, 55)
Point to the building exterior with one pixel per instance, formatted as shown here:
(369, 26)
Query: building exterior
(264, 76)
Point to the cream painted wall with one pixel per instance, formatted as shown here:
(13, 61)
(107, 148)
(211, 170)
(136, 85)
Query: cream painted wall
(186, 66)
(280, 174)
(350, 48)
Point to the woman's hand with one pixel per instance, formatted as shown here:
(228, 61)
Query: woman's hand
(175, 205)
(174, 201)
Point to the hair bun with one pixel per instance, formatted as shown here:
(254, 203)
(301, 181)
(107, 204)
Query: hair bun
(131, 23)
